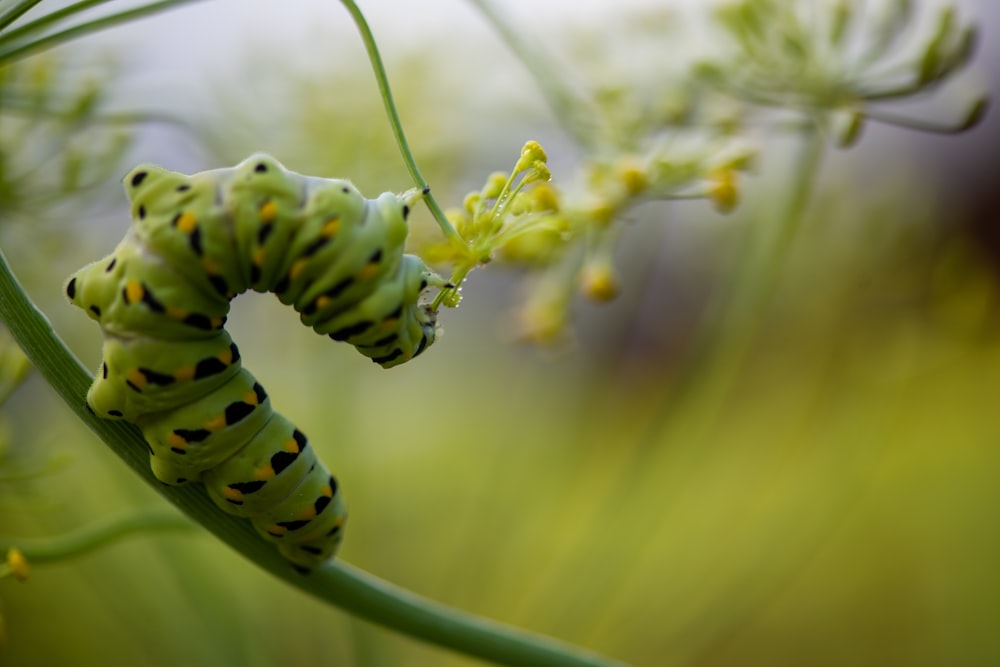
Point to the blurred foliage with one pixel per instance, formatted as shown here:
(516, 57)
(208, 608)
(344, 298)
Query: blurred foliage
(835, 507)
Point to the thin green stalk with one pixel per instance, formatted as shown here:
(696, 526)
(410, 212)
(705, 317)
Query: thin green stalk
(16, 12)
(12, 52)
(97, 534)
(336, 583)
(733, 325)
(397, 126)
(577, 113)
(49, 19)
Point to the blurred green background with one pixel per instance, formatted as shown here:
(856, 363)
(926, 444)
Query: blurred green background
(835, 505)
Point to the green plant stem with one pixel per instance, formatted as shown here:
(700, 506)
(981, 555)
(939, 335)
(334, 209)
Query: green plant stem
(397, 126)
(336, 583)
(734, 321)
(97, 534)
(576, 112)
(12, 49)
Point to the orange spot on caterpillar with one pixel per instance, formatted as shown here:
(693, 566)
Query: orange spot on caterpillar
(322, 301)
(175, 313)
(134, 291)
(367, 271)
(216, 423)
(137, 379)
(268, 212)
(258, 257)
(186, 222)
(330, 227)
(176, 442)
(185, 372)
(297, 268)
(264, 472)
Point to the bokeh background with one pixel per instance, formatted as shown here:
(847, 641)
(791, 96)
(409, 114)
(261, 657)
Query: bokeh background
(835, 505)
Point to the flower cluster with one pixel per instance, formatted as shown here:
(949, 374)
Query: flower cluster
(841, 56)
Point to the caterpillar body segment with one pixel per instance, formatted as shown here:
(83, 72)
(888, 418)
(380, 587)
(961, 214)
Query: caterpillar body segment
(162, 297)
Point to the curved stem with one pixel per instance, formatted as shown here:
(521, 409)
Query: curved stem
(96, 534)
(33, 44)
(397, 126)
(336, 583)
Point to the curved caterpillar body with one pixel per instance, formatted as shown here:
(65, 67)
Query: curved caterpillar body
(161, 299)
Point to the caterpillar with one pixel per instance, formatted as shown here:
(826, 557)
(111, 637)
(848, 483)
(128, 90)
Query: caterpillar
(170, 367)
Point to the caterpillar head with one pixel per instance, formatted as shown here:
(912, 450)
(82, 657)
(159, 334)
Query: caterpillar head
(152, 189)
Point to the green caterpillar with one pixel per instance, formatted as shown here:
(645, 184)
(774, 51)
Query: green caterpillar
(161, 299)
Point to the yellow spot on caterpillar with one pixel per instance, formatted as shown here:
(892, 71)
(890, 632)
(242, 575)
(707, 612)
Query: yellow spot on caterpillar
(176, 442)
(216, 423)
(276, 530)
(291, 446)
(136, 378)
(268, 212)
(211, 268)
(297, 268)
(175, 313)
(322, 301)
(327, 491)
(185, 373)
(250, 398)
(330, 227)
(226, 356)
(232, 494)
(216, 322)
(186, 222)
(367, 271)
(307, 513)
(134, 291)
(264, 472)
(258, 257)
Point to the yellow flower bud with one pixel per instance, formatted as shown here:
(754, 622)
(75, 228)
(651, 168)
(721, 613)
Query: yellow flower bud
(599, 282)
(723, 191)
(18, 564)
(602, 212)
(544, 198)
(494, 185)
(531, 153)
(632, 175)
(471, 201)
